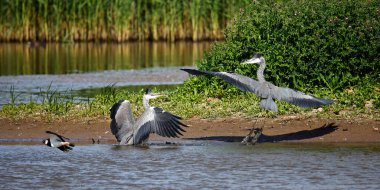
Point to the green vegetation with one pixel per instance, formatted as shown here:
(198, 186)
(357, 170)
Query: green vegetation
(358, 101)
(326, 48)
(307, 44)
(115, 20)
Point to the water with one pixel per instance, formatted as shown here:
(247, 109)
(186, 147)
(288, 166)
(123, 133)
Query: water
(21, 59)
(28, 88)
(191, 165)
(28, 72)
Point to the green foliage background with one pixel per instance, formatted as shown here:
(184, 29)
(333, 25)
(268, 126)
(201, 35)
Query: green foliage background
(115, 20)
(321, 44)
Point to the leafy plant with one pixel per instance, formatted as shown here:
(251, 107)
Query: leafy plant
(13, 95)
(307, 45)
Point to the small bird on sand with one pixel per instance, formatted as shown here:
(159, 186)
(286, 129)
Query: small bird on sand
(58, 141)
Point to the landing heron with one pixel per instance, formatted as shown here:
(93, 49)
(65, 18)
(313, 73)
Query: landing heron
(265, 90)
(153, 120)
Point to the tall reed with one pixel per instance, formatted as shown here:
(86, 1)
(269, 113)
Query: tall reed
(115, 20)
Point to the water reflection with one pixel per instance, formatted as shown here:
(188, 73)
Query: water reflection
(21, 59)
(27, 72)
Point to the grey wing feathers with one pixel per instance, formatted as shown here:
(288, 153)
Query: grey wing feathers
(116, 130)
(266, 90)
(242, 82)
(113, 111)
(122, 119)
(156, 120)
(114, 127)
(196, 72)
(298, 98)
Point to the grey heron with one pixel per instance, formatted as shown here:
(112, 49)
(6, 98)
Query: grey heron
(58, 141)
(265, 90)
(153, 120)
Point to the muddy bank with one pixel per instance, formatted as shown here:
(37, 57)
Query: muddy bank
(285, 128)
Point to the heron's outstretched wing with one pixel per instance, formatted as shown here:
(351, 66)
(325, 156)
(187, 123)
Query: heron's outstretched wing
(121, 119)
(298, 98)
(266, 89)
(156, 120)
(114, 127)
(56, 139)
(242, 82)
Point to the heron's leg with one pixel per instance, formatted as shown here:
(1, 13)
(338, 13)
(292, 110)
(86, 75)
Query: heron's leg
(249, 139)
(253, 136)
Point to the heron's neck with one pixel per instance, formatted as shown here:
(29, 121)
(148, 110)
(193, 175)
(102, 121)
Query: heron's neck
(260, 72)
(146, 103)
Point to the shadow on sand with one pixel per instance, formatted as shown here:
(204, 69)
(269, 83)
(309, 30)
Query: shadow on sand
(300, 135)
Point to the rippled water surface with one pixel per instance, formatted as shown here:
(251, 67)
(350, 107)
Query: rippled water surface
(191, 165)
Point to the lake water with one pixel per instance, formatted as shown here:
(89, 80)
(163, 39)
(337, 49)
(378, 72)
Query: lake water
(21, 59)
(27, 71)
(191, 165)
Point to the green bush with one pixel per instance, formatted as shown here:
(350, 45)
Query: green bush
(307, 45)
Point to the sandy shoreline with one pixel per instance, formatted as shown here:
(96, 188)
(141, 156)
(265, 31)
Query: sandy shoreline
(284, 128)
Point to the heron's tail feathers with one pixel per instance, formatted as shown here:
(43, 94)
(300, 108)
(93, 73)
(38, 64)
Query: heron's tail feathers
(268, 104)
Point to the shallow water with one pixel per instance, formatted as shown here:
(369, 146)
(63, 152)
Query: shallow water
(28, 72)
(28, 88)
(191, 165)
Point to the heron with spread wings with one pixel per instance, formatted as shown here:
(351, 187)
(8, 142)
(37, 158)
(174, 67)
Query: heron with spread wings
(265, 90)
(129, 131)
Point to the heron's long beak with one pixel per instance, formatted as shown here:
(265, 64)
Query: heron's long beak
(158, 94)
(252, 61)
(155, 95)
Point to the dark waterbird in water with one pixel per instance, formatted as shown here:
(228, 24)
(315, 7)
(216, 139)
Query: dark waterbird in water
(265, 90)
(58, 141)
(153, 120)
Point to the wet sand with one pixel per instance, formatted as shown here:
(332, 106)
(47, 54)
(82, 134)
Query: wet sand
(280, 129)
